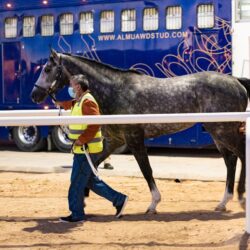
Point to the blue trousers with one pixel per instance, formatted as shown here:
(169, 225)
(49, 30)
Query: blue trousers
(81, 177)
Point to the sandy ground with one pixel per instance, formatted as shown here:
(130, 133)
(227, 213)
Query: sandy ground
(32, 203)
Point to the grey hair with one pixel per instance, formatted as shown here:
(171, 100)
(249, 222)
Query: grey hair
(82, 80)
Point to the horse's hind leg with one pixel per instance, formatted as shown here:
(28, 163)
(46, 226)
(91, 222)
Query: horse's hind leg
(135, 142)
(227, 136)
(241, 186)
(230, 161)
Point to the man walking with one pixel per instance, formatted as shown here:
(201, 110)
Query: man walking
(89, 135)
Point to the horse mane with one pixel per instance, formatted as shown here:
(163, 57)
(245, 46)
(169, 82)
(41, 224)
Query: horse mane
(100, 64)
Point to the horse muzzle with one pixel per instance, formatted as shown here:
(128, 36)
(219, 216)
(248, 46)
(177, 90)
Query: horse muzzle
(38, 96)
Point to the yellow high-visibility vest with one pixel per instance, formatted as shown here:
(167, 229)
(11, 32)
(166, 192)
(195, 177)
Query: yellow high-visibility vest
(75, 130)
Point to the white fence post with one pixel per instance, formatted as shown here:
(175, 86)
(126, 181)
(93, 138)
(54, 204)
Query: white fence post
(248, 175)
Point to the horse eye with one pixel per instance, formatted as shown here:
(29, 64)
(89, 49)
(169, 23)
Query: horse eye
(47, 70)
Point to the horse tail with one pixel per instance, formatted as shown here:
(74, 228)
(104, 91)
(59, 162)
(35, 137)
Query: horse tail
(246, 83)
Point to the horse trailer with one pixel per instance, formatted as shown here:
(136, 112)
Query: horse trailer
(161, 38)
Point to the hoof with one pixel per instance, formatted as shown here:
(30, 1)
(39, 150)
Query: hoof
(151, 211)
(221, 208)
(243, 203)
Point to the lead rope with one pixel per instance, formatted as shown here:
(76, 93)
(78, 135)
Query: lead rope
(94, 170)
(64, 130)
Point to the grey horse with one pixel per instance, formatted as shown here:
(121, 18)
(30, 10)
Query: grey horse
(129, 92)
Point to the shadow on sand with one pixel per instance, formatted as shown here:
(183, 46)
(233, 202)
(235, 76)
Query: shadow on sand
(51, 225)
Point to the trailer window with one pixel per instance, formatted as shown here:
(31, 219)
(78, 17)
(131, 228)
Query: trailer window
(173, 17)
(150, 19)
(243, 10)
(28, 26)
(128, 20)
(86, 23)
(107, 23)
(47, 25)
(205, 16)
(66, 24)
(10, 27)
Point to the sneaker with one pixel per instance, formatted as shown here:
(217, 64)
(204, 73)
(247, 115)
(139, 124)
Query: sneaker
(108, 166)
(119, 209)
(69, 219)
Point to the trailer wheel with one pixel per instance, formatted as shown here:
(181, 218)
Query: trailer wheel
(28, 138)
(60, 139)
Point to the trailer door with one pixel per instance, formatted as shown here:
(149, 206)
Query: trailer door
(11, 72)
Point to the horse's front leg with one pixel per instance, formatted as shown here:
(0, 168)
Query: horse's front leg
(110, 145)
(135, 142)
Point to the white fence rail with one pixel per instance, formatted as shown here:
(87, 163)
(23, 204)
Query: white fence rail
(50, 117)
(43, 112)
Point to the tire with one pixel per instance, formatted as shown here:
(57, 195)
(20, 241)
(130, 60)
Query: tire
(121, 150)
(60, 139)
(28, 138)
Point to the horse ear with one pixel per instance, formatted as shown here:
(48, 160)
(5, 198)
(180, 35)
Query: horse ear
(54, 55)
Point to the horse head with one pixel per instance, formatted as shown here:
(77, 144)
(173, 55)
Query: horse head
(53, 77)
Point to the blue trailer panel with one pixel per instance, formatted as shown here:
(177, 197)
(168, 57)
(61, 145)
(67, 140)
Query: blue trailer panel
(161, 51)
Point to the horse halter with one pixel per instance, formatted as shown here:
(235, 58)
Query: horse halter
(56, 84)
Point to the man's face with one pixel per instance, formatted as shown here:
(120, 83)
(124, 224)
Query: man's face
(76, 87)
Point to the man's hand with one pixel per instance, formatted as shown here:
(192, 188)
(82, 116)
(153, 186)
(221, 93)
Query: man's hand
(78, 143)
(57, 104)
